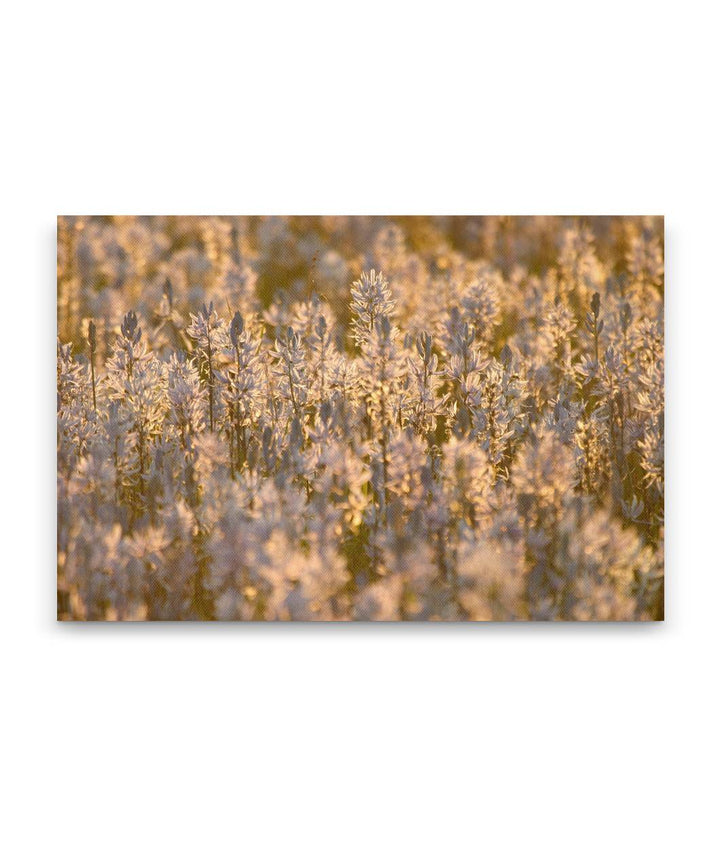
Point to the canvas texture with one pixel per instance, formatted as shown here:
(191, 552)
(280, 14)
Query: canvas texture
(356, 418)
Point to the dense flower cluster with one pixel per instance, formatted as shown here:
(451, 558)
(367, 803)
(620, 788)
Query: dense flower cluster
(360, 418)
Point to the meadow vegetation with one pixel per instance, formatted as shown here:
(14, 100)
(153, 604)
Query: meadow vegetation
(369, 418)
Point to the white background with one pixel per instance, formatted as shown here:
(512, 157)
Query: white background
(359, 739)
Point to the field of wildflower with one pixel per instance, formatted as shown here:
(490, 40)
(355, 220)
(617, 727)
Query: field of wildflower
(360, 418)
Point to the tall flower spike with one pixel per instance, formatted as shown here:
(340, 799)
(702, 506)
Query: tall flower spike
(168, 293)
(130, 329)
(92, 341)
(236, 328)
(371, 299)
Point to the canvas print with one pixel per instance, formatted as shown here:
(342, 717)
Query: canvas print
(360, 418)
